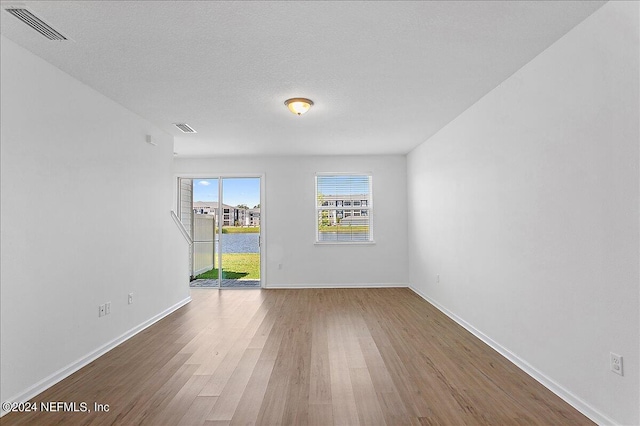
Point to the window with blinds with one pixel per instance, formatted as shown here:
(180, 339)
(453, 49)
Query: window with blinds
(344, 209)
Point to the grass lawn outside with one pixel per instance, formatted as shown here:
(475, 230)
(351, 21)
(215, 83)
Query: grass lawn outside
(345, 229)
(236, 266)
(240, 230)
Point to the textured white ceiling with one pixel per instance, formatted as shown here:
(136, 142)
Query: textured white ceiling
(384, 76)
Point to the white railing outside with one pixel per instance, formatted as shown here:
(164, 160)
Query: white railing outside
(183, 231)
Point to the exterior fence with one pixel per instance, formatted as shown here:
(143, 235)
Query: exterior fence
(203, 243)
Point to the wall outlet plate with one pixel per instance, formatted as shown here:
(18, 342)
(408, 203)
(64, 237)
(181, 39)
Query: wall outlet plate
(616, 364)
(130, 299)
(107, 308)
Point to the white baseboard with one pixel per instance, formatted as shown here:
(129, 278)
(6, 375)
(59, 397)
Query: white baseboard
(65, 372)
(363, 285)
(545, 381)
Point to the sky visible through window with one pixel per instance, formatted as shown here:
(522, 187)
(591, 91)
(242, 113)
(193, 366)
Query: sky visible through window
(236, 191)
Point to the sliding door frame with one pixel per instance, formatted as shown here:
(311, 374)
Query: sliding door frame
(262, 237)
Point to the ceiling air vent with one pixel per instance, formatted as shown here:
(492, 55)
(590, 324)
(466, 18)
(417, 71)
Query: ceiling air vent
(36, 23)
(185, 128)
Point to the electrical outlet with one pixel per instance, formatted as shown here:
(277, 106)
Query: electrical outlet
(438, 279)
(101, 311)
(107, 308)
(130, 300)
(616, 364)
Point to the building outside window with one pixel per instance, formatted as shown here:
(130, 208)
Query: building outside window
(335, 225)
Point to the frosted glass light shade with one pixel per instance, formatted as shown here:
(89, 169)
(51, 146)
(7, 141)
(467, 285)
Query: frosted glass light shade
(298, 106)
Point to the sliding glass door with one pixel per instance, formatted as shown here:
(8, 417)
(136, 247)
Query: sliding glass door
(226, 232)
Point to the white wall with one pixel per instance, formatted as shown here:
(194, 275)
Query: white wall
(527, 206)
(288, 216)
(85, 220)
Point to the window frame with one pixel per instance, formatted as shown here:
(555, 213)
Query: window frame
(369, 208)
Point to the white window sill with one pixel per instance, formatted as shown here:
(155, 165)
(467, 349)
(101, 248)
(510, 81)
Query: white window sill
(344, 243)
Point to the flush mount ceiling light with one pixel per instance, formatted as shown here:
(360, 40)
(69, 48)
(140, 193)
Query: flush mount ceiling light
(298, 106)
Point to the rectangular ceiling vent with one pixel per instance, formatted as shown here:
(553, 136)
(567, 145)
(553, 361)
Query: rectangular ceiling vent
(36, 23)
(185, 128)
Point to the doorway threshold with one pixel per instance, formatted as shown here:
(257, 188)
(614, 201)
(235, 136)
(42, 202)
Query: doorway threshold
(226, 283)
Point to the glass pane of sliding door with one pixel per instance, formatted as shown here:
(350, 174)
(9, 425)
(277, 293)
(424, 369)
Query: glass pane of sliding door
(205, 231)
(240, 232)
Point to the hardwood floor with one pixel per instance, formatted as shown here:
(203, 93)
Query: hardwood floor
(304, 357)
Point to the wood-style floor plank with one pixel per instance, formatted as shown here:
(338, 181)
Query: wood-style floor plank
(304, 357)
(345, 411)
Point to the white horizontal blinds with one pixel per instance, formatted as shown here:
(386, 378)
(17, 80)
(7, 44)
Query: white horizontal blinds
(343, 208)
